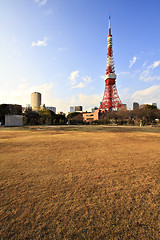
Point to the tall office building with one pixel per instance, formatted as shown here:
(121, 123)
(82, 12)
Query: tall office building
(35, 100)
(53, 109)
(154, 104)
(78, 108)
(71, 109)
(135, 105)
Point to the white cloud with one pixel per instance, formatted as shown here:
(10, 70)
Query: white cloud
(154, 65)
(151, 78)
(73, 77)
(125, 96)
(89, 101)
(146, 75)
(40, 43)
(148, 95)
(125, 91)
(132, 61)
(79, 85)
(22, 94)
(87, 79)
(40, 2)
(83, 83)
(46, 91)
(144, 64)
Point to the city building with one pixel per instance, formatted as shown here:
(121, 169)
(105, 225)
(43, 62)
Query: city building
(135, 105)
(91, 116)
(13, 120)
(35, 100)
(71, 109)
(8, 110)
(93, 109)
(53, 109)
(154, 104)
(78, 108)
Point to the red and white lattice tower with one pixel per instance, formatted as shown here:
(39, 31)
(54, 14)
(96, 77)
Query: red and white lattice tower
(111, 100)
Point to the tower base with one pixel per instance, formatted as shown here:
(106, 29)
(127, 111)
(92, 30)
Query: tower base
(111, 100)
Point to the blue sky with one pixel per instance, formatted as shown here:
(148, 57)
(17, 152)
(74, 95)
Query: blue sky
(59, 48)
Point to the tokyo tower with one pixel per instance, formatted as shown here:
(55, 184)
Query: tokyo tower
(111, 100)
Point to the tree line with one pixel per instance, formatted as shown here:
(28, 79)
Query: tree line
(43, 117)
(146, 115)
(141, 116)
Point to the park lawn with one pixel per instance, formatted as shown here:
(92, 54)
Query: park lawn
(79, 185)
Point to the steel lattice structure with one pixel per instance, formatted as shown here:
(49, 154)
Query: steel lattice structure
(111, 100)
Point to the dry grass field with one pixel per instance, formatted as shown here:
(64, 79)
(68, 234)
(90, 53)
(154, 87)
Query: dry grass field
(58, 184)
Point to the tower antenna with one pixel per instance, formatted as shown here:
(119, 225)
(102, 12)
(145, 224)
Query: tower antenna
(111, 100)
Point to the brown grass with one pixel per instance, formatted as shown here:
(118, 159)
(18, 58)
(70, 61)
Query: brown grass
(79, 185)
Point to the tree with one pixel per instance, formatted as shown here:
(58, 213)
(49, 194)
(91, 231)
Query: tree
(31, 117)
(75, 118)
(43, 117)
(5, 109)
(148, 112)
(72, 115)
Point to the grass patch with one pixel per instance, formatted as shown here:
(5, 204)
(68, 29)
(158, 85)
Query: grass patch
(85, 128)
(92, 183)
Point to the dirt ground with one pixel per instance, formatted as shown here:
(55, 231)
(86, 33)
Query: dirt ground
(79, 185)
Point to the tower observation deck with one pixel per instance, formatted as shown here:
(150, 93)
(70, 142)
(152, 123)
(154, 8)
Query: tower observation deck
(111, 100)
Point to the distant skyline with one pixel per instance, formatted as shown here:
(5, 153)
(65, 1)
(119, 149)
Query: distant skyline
(59, 48)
